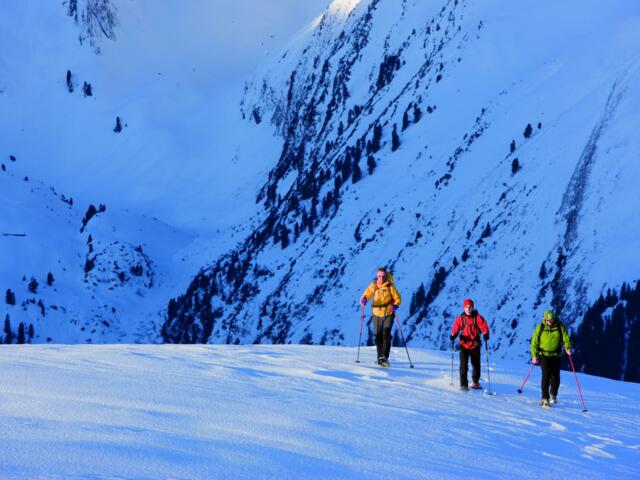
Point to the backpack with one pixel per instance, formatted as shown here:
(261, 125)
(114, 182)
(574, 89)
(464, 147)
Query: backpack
(475, 326)
(388, 279)
(559, 326)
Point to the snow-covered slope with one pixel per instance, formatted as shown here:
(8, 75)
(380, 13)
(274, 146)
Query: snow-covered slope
(478, 149)
(214, 412)
(168, 73)
(90, 275)
(178, 180)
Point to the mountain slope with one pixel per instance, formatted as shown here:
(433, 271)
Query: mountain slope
(177, 177)
(297, 412)
(92, 275)
(477, 149)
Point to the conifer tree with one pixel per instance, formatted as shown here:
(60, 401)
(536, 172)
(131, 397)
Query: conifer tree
(10, 297)
(515, 166)
(395, 139)
(8, 334)
(377, 137)
(371, 164)
(417, 114)
(356, 172)
(69, 82)
(21, 339)
(284, 237)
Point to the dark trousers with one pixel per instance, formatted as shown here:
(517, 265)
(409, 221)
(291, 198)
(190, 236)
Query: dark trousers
(550, 375)
(382, 329)
(465, 355)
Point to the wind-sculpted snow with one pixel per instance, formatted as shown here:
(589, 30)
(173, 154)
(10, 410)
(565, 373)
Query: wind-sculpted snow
(209, 412)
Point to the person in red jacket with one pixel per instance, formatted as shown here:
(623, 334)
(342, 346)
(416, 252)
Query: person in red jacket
(469, 324)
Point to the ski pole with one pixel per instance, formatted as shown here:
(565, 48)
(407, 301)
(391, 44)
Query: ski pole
(486, 346)
(452, 350)
(360, 339)
(584, 408)
(527, 377)
(411, 365)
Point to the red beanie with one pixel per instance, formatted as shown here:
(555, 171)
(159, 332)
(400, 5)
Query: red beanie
(468, 301)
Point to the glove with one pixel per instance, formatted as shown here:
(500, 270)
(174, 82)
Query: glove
(394, 308)
(486, 337)
(363, 301)
(534, 360)
(452, 337)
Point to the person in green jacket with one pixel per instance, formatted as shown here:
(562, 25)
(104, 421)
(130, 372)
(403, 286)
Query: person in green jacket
(546, 347)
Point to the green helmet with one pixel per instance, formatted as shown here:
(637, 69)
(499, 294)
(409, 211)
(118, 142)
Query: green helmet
(549, 315)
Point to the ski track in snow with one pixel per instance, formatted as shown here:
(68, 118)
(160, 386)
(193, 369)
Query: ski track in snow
(298, 412)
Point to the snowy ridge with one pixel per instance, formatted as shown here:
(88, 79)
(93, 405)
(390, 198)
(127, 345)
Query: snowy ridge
(262, 411)
(440, 140)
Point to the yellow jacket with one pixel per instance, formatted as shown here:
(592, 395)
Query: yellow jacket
(384, 296)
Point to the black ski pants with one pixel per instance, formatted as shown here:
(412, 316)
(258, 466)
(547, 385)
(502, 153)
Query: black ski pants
(465, 355)
(382, 329)
(550, 375)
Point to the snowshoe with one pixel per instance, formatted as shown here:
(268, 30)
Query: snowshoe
(554, 399)
(384, 363)
(476, 386)
(545, 403)
(464, 388)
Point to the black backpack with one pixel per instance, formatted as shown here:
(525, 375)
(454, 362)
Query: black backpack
(557, 325)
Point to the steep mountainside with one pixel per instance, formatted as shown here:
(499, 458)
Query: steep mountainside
(477, 149)
(132, 106)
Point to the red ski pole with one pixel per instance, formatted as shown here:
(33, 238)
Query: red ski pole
(360, 339)
(527, 377)
(584, 408)
(403, 340)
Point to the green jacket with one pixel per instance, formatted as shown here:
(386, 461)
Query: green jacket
(551, 340)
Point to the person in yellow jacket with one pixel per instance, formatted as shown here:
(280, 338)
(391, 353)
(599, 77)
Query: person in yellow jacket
(386, 301)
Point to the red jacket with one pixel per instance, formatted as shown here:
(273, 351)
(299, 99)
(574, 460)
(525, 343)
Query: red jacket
(470, 330)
